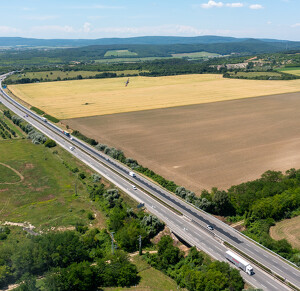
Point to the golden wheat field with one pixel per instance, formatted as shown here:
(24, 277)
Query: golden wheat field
(71, 99)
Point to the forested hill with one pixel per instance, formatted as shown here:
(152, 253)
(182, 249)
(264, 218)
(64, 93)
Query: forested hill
(143, 40)
(250, 46)
(96, 52)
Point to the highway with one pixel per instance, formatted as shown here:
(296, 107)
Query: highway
(189, 224)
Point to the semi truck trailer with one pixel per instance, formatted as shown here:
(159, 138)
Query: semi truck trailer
(239, 262)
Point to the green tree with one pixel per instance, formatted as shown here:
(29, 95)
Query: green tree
(49, 143)
(127, 236)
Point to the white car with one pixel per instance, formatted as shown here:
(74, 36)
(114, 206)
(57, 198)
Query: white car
(72, 148)
(210, 227)
(133, 187)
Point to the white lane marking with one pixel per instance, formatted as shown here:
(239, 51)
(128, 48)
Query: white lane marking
(271, 284)
(218, 249)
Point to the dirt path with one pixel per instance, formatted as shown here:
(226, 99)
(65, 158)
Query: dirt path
(136, 253)
(237, 223)
(19, 174)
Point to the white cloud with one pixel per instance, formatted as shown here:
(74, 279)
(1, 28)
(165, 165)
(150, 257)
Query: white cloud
(87, 27)
(256, 6)
(296, 25)
(8, 30)
(235, 5)
(211, 4)
(53, 28)
(152, 30)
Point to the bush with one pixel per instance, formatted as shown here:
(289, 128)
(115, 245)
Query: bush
(90, 216)
(96, 178)
(50, 143)
(3, 236)
(51, 118)
(82, 175)
(37, 110)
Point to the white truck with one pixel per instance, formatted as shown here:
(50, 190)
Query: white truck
(132, 174)
(239, 262)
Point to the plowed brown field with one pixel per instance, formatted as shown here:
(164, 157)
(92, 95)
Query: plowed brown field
(201, 146)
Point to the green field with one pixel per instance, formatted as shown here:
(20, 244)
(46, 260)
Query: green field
(46, 196)
(130, 60)
(151, 279)
(53, 75)
(120, 53)
(196, 55)
(291, 70)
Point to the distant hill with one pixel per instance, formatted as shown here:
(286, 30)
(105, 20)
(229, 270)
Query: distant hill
(32, 51)
(143, 40)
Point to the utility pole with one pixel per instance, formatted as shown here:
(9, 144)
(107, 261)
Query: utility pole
(112, 243)
(140, 245)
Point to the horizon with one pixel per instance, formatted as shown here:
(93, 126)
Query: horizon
(144, 36)
(96, 19)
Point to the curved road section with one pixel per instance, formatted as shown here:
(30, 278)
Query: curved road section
(183, 219)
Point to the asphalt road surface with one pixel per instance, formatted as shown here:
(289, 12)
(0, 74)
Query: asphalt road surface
(190, 224)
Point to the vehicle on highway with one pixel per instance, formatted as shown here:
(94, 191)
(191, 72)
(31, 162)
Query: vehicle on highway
(72, 148)
(133, 187)
(66, 133)
(210, 227)
(44, 119)
(132, 174)
(239, 262)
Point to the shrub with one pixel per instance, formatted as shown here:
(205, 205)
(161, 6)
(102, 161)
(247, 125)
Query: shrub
(51, 118)
(37, 110)
(50, 143)
(90, 216)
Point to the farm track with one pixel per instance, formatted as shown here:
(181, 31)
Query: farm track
(19, 174)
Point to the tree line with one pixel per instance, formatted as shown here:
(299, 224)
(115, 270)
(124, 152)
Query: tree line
(196, 271)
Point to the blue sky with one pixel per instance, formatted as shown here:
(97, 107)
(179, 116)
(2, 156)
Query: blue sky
(118, 18)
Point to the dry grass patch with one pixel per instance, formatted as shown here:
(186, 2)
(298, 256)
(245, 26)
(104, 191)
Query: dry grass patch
(70, 99)
(288, 229)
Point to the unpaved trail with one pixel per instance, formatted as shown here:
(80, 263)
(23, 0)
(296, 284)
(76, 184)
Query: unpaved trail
(14, 170)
